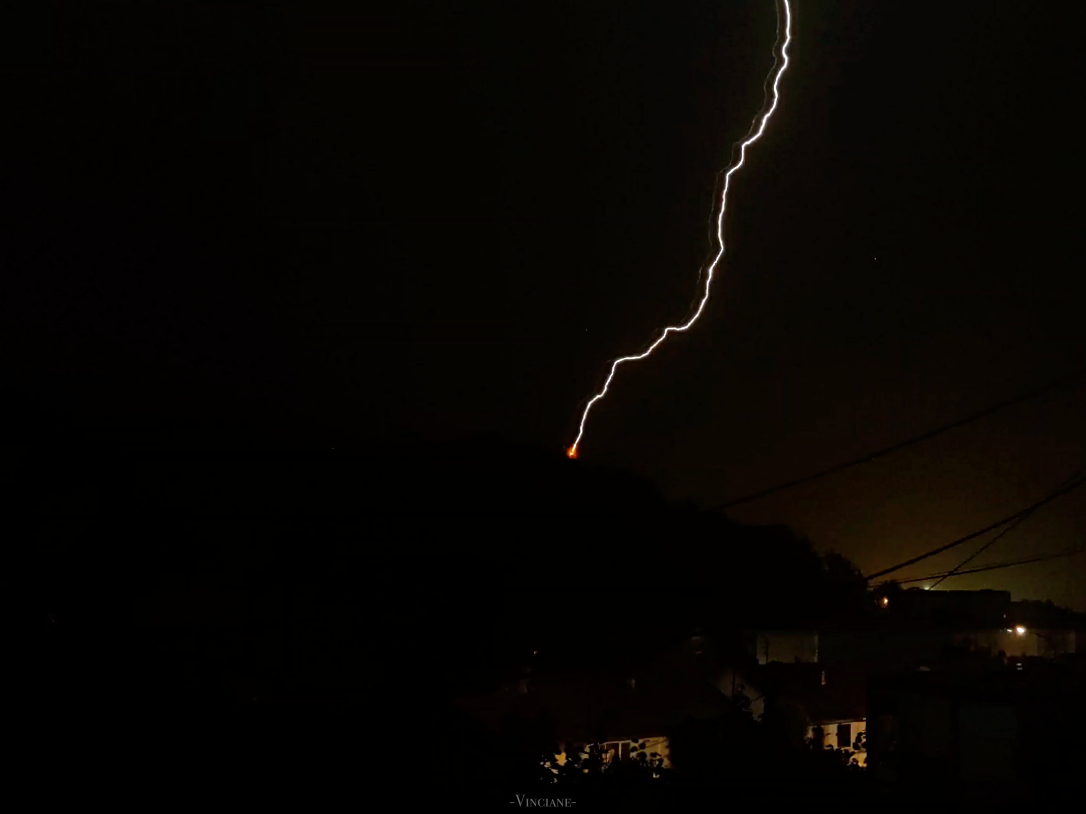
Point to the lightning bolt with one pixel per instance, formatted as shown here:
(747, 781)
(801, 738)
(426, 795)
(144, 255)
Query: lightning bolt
(755, 134)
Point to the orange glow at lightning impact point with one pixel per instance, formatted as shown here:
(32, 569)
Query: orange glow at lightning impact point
(757, 133)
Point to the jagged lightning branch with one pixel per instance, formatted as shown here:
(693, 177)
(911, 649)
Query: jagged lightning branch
(572, 451)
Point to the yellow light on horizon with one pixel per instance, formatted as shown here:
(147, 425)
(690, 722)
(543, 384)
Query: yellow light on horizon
(1020, 630)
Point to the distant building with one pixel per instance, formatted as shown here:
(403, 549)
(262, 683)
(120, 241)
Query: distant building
(965, 610)
(924, 628)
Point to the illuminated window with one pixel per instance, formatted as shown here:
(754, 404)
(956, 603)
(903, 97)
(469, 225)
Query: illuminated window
(844, 736)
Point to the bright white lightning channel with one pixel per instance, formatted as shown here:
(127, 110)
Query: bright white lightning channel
(572, 451)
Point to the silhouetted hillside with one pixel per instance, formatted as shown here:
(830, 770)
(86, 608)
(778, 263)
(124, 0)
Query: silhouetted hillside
(277, 603)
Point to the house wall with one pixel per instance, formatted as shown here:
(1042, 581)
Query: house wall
(611, 749)
(831, 735)
(788, 646)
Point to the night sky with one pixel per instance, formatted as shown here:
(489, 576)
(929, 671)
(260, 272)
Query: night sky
(238, 226)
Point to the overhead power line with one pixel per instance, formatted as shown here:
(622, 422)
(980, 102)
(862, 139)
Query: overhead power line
(961, 422)
(979, 569)
(1001, 534)
(1028, 510)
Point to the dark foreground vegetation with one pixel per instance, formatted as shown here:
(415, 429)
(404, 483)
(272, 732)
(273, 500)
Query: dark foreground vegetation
(307, 623)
